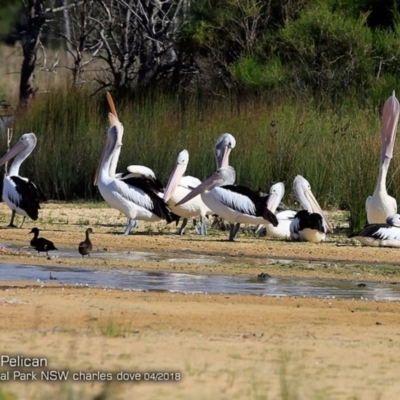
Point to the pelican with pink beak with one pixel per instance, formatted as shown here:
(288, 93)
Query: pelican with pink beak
(285, 218)
(134, 197)
(380, 205)
(310, 224)
(19, 193)
(235, 204)
(178, 187)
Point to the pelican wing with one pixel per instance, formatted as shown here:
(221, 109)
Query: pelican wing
(140, 191)
(24, 194)
(378, 231)
(189, 182)
(146, 182)
(247, 201)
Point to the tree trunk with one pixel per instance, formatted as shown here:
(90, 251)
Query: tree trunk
(30, 44)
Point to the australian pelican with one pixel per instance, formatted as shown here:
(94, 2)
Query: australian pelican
(380, 205)
(178, 187)
(20, 193)
(235, 204)
(385, 235)
(285, 218)
(134, 197)
(311, 223)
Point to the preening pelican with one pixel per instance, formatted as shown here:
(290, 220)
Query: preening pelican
(19, 193)
(223, 148)
(310, 224)
(133, 171)
(178, 187)
(235, 204)
(380, 205)
(385, 235)
(285, 218)
(134, 197)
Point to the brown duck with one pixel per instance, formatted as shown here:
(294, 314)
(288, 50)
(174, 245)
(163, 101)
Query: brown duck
(86, 246)
(41, 244)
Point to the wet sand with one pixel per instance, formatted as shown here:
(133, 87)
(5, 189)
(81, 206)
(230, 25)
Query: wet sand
(207, 346)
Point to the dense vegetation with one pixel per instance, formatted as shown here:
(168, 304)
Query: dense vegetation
(300, 84)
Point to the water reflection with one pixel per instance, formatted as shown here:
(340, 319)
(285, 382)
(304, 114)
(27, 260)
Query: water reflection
(191, 283)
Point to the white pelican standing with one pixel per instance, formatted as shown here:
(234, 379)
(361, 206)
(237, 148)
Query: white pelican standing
(134, 197)
(133, 171)
(380, 205)
(310, 224)
(19, 193)
(385, 235)
(235, 204)
(178, 187)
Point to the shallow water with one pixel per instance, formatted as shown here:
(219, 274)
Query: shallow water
(211, 284)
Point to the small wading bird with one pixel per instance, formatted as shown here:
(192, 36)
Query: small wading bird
(86, 246)
(384, 235)
(20, 193)
(135, 197)
(380, 205)
(41, 244)
(311, 224)
(235, 204)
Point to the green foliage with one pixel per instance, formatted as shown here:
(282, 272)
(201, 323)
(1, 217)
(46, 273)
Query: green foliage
(256, 75)
(326, 53)
(10, 12)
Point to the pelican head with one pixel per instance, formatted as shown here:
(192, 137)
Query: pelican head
(275, 196)
(222, 148)
(302, 190)
(24, 146)
(393, 220)
(223, 176)
(176, 175)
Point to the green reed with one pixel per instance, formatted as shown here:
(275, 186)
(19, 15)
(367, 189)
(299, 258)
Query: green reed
(336, 151)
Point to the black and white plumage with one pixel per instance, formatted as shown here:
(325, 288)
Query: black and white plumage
(380, 205)
(235, 204)
(85, 247)
(20, 193)
(311, 224)
(380, 235)
(41, 244)
(134, 197)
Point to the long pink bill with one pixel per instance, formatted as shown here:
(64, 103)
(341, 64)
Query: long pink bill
(316, 208)
(17, 148)
(209, 183)
(390, 119)
(174, 181)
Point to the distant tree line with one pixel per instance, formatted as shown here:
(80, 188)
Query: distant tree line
(328, 49)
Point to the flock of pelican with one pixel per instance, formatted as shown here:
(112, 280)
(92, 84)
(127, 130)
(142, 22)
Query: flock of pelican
(140, 196)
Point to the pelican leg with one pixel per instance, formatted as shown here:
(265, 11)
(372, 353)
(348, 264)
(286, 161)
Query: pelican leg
(11, 224)
(135, 224)
(183, 226)
(23, 221)
(234, 228)
(128, 227)
(203, 229)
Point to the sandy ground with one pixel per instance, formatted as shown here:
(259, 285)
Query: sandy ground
(195, 346)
